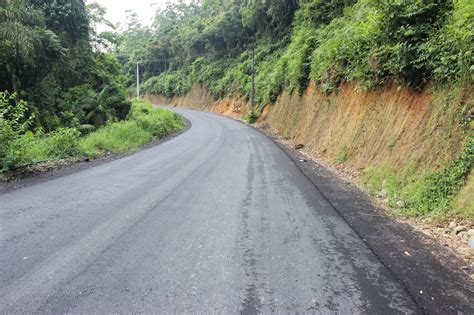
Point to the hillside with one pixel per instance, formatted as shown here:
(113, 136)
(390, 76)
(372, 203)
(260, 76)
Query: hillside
(384, 87)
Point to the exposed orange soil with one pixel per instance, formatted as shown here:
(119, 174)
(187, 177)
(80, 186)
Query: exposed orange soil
(386, 125)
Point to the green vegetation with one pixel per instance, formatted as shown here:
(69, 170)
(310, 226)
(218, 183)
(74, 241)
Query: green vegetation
(158, 122)
(52, 58)
(251, 117)
(25, 148)
(115, 137)
(343, 155)
(426, 190)
(464, 200)
(329, 42)
(430, 192)
(145, 122)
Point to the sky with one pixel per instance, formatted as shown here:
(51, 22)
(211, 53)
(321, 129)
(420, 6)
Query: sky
(145, 9)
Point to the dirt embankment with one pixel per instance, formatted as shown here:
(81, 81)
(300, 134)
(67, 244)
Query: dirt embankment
(388, 126)
(384, 126)
(199, 98)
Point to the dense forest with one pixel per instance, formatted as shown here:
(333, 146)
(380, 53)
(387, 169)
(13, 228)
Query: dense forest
(60, 81)
(47, 59)
(410, 42)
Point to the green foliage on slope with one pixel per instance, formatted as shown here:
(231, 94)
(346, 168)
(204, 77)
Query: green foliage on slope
(428, 193)
(330, 42)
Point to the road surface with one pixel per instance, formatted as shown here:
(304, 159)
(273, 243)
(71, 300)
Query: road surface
(217, 220)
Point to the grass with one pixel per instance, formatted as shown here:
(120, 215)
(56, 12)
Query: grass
(115, 137)
(142, 125)
(343, 156)
(157, 121)
(416, 192)
(436, 193)
(378, 178)
(31, 149)
(464, 201)
(251, 117)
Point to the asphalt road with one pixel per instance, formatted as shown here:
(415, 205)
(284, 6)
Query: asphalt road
(217, 219)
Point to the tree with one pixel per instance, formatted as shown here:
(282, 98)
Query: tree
(105, 40)
(271, 17)
(24, 40)
(46, 50)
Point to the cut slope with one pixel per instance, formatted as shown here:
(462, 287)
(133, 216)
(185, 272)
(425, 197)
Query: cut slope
(405, 133)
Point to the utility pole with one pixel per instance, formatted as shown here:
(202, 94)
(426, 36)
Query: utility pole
(138, 81)
(252, 91)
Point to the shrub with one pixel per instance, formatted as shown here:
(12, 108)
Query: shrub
(14, 122)
(159, 122)
(318, 12)
(6, 138)
(367, 41)
(251, 117)
(169, 83)
(298, 58)
(113, 98)
(430, 192)
(86, 129)
(29, 149)
(74, 104)
(450, 52)
(19, 147)
(270, 77)
(63, 143)
(15, 113)
(345, 46)
(405, 30)
(440, 186)
(82, 105)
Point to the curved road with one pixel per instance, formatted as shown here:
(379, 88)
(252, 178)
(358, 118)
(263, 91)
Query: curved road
(217, 219)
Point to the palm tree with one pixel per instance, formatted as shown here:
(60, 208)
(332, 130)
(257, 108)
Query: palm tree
(98, 109)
